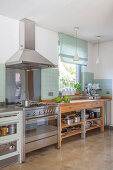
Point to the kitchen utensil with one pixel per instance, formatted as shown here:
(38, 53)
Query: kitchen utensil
(92, 116)
(88, 124)
(87, 116)
(97, 114)
(12, 147)
(4, 131)
(12, 129)
(69, 120)
(77, 119)
(93, 123)
(97, 86)
(25, 103)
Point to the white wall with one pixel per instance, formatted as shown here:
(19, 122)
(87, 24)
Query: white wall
(104, 70)
(9, 38)
(46, 40)
(47, 44)
(90, 66)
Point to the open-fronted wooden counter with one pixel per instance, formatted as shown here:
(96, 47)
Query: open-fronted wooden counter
(82, 105)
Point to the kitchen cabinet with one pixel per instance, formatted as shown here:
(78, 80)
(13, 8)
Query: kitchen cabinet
(11, 137)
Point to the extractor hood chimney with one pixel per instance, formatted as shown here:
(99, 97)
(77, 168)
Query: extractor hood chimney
(26, 57)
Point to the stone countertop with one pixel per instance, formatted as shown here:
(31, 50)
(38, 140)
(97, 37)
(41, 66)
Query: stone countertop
(9, 108)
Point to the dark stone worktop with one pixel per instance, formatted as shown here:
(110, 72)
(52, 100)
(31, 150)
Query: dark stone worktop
(9, 108)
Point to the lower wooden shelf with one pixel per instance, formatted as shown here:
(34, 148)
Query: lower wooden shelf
(74, 124)
(72, 133)
(88, 120)
(93, 127)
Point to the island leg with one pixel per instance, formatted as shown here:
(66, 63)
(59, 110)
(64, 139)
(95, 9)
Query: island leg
(83, 113)
(102, 120)
(59, 129)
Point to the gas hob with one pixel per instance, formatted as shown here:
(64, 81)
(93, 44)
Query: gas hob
(40, 110)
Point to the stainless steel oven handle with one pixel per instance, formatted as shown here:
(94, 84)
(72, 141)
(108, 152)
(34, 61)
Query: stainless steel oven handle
(39, 118)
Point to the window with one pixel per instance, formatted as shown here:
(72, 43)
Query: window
(67, 75)
(70, 70)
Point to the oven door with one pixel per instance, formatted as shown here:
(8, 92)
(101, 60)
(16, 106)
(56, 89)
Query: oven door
(40, 128)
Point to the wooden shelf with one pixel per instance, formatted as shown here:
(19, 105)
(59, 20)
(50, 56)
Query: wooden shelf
(88, 120)
(75, 106)
(93, 127)
(69, 114)
(72, 133)
(74, 124)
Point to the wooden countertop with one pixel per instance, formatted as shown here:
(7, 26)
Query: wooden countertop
(80, 98)
(84, 101)
(75, 105)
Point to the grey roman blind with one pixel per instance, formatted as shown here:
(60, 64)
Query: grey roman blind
(67, 49)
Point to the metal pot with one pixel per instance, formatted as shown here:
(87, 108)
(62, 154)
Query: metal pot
(26, 103)
(12, 129)
(88, 124)
(92, 116)
(77, 119)
(87, 116)
(68, 120)
(97, 114)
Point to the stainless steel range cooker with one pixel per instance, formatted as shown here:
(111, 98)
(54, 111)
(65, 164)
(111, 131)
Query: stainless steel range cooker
(41, 126)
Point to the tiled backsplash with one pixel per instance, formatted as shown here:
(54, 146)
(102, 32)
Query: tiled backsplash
(106, 87)
(2, 82)
(86, 77)
(49, 83)
(105, 84)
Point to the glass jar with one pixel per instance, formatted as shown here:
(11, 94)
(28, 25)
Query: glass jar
(4, 131)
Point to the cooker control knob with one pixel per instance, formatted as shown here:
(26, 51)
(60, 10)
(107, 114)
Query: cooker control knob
(28, 114)
(34, 113)
(39, 112)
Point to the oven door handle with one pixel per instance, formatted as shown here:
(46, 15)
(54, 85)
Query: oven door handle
(39, 118)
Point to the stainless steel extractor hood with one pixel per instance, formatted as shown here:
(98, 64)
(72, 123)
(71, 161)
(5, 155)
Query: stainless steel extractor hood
(26, 57)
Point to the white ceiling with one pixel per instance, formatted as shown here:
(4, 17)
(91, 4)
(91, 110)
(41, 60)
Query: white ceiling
(93, 17)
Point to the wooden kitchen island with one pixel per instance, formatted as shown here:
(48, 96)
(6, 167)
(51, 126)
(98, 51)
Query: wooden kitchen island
(81, 105)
